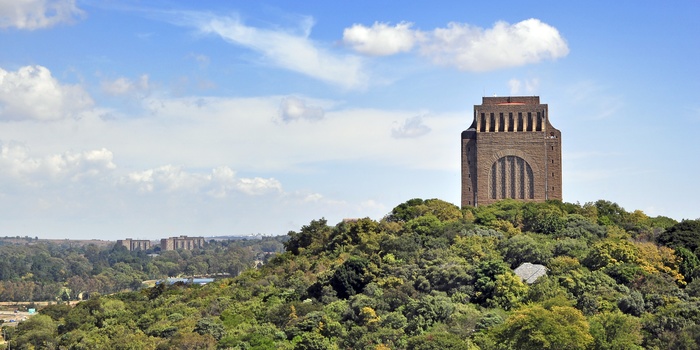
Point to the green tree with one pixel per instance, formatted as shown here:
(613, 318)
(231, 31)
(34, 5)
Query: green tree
(209, 326)
(351, 277)
(408, 210)
(442, 210)
(525, 248)
(616, 331)
(313, 341)
(426, 311)
(610, 213)
(684, 234)
(543, 218)
(510, 210)
(536, 328)
(38, 332)
(316, 233)
(439, 341)
(56, 311)
(496, 285)
(689, 263)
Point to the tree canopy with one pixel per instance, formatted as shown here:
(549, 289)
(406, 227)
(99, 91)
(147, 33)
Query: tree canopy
(427, 276)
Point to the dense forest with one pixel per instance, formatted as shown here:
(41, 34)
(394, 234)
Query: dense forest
(427, 276)
(44, 271)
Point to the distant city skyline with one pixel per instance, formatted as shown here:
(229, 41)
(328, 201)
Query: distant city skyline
(208, 118)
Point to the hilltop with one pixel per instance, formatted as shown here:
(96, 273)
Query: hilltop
(427, 276)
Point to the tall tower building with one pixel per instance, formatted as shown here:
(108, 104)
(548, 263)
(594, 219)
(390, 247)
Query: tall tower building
(510, 151)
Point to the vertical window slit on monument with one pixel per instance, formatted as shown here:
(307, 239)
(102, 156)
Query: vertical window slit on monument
(520, 121)
(502, 187)
(482, 125)
(529, 122)
(539, 121)
(493, 181)
(530, 183)
(492, 125)
(501, 123)
(512, 161)
(510, 121)
(521, 177)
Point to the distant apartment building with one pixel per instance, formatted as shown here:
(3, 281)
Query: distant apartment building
(135, 244)
(182, 242)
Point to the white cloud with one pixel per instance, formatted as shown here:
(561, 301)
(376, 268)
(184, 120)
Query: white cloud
(258, 186)
(293, 108)
(167, 178)
(124, 86)
(17, 163)
(462, 45)
(530, 86)
(218, 183)
(247, 134)
(312, 197)
(381, 39)
(37, 14)
(514, 85)
(33, 93)
(472, 48)
(413, 127)
(285, 49)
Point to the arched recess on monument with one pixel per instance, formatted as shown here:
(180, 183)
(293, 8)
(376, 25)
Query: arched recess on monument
(511, 176)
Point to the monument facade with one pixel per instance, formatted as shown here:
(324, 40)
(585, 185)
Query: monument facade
(511, 150)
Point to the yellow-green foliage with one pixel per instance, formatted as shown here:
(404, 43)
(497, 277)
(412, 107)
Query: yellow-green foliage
(427, 276)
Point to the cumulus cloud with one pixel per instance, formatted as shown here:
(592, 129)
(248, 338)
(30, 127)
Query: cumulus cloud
(518, 87)
(472, 48)
(124, 86)
(293, 108)
(461, 45)
(167, 178)
(288, 49)
(381, 39)
(411, 128)
(33, 93)
(17, 163)
(37, 14)
(218, 183)
(258, 186)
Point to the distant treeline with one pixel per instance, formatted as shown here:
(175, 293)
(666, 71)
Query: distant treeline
(41, 270)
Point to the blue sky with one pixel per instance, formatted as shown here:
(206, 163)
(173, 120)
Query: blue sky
(153, 119)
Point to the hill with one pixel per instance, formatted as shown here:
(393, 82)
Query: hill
(427, 276)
